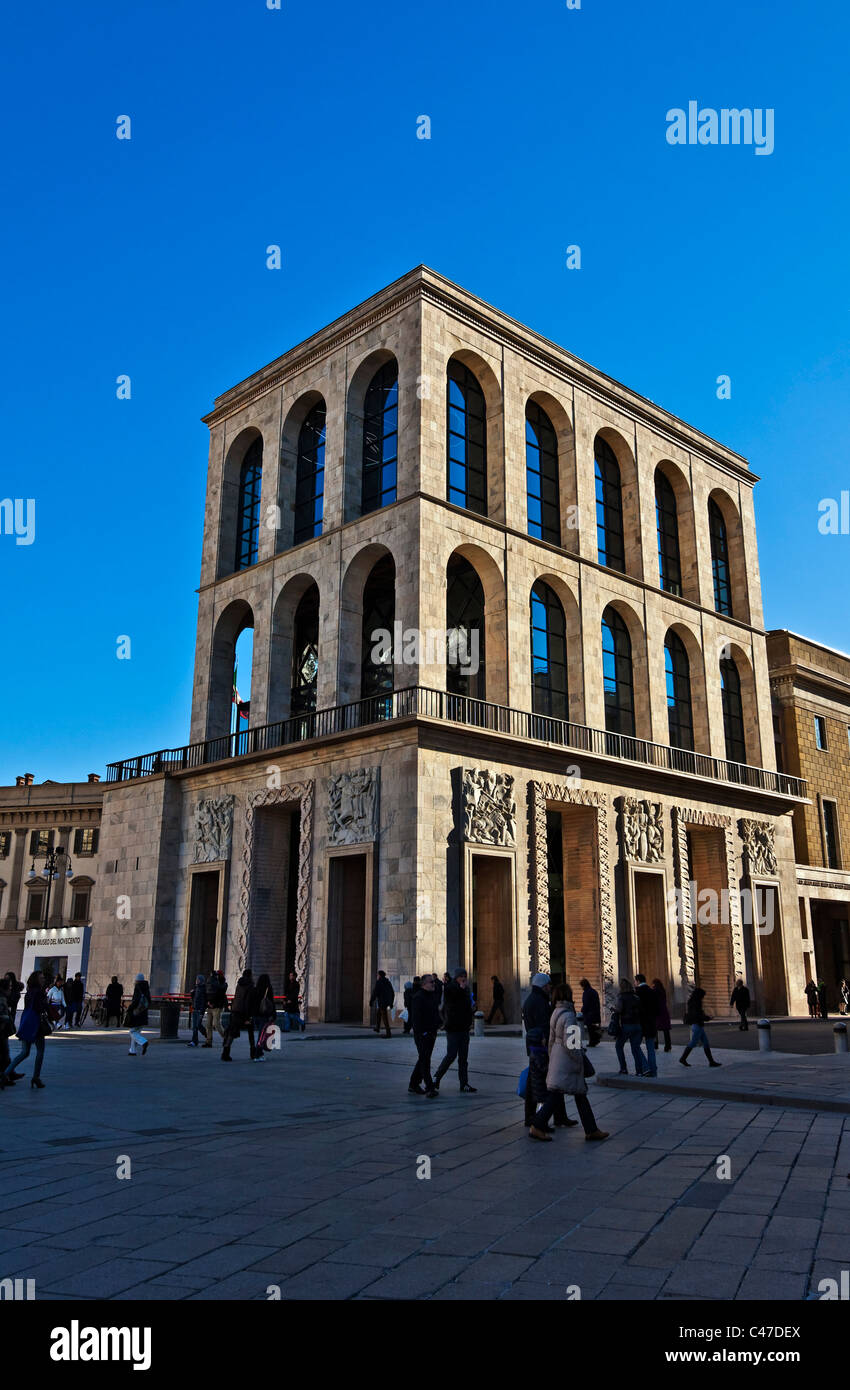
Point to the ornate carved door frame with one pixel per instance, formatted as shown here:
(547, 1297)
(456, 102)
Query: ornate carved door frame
(301, 792)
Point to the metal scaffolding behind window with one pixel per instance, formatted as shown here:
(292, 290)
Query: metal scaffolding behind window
(376, 669)
(380, 439)
(548, 653)
(466, 419)
(667, 524)
(719, 559)
(609, 508)
(464, 630)
(677, 674)
(310, 476)
(541, 475)
(248, 514)
(305, 653)
(617, 677)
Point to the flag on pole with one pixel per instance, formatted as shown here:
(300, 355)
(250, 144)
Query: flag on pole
(243, 707)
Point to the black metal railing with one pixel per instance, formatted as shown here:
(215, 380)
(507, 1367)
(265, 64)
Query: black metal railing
(441, 705)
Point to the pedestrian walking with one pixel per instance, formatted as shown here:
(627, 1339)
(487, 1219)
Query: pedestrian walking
(566, 1074)
(265, 1016)
(662, 1017)
(33, 1028)
(382, 997)
(113, 1002)
(16, 989)
(425, 1019)
(591, 1011)
(199, 1009)
(536, 1011)
(458, 1014)
(740, 1000)
(137, 1015)
(242, 1012)
(410, 990)
(697, 1018)
(7, 1028)
(822, 1004)
(75, 993)
(629, 1030)
(648, 1011)
(292, 1004)
(812, 996)
(56, 1003)
(844, 990)
(498, 999)
(216, 986)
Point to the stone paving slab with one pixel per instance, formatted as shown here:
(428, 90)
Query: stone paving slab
(324, 1202)
(820, 1083)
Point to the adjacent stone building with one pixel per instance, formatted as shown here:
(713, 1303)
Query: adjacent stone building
(810, 686)
(510, 702)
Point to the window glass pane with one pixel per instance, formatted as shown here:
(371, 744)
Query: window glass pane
(466, 440)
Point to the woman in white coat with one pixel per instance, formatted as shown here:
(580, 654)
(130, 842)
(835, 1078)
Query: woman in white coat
(567, 1038)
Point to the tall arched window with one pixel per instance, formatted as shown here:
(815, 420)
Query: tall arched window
(609, 508)
(305, 653)
(719, 559)
(376, 668)
(548, 653)
(677, 672)
(541, 475)
(310, 476)
(466, 413)
(733, 712)
(617, 674)
(248, 515)
(380, 439)
(667, 524)
(464, 630)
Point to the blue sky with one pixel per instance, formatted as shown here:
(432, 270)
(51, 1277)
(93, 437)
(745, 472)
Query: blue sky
(298, 127)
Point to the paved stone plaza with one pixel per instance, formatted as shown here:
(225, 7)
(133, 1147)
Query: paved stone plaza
(301, 1173)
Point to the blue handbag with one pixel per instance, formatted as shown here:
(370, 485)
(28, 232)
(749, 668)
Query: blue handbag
(522, 1084)
(28, 1027)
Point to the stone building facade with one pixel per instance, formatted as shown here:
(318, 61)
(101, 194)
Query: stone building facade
(589, 786)
(810, 686)
(34, 819)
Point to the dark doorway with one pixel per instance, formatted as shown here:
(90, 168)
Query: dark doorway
(203, 927)
(774, 993)
(831, 936)
(651, 928)
(271, 944)
(346, 958)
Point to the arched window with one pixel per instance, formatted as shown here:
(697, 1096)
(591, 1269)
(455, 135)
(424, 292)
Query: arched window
(609, 508)
(733, 712)
(719, 559)
(677, 672)
(248, 515)
(305, 653)
(541, 475)
(376, 668)
(467, 440)
(380, 439)
(464, 630)
(617, 674)
(548, 653)
(310, 476)
(667, 524)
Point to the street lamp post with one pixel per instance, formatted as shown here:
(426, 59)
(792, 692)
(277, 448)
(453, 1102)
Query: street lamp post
(50, 872)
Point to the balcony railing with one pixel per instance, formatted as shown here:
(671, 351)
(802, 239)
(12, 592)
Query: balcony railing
(419, 701)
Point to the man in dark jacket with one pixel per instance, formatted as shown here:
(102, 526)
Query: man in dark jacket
(114, 997)
(292, 1004)
(382, 997)
(591, 1012)
(74, 996)
(741, 1001)
(216, 988)
(242, 1012)
(425, 1019)
(648, 1014)
(498, 1000)
(199, 1008)
(457, 1013)
(410, 990)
